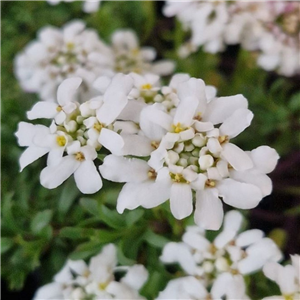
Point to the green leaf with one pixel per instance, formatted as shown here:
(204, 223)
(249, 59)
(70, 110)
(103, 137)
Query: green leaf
(6, 244)
(133, 216)
(90, 205)
(86, 250)
(111, 217)
(155, 240)
(41, 220)
(67, 198)
(122, 259)
(75, 233)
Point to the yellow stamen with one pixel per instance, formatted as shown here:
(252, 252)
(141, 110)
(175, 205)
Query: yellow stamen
(70, 46)
(58, 108)
(198, 116)
(210, 183)
(152, 174)
(178, 178)
(154, 144)
(222, 139)
(147, 86)
(79, 156)
(234, 271)
(98, 126)
(102, 286)
(177, 128)
(61, 140)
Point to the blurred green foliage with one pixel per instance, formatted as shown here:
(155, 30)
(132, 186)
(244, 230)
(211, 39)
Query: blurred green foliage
(44, 227)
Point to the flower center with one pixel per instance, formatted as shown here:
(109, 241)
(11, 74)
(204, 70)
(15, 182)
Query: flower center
(59, 108)
(178, 178)
(61, 140)
(147, 86)
(79, 156)
(98, 126)
(178, 128)
(152, 174)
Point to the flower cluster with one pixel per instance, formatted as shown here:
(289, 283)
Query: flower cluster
(89, 6)
(217, 269)
(77, 280)
(171, 142)
(58, 54)
(287, 277)
(271, 27)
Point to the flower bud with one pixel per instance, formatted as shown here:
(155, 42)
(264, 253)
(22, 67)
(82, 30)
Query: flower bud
(206, 161)
(199, 140)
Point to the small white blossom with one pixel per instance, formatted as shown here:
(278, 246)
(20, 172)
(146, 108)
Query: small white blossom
(79, 281)
(76, 134)
(223, 263)
(89, 6)
(191, 151)
(287, 277)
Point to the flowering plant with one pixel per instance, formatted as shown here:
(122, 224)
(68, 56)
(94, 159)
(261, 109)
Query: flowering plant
(131, 170)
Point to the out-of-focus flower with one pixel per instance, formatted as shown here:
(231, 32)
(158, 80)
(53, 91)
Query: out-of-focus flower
(270, 27)
(74, 51)
(223, 263)
(280, 41)
(287, 277)
(77, 280)
(187, 133)
(89, 6)
(58, 54)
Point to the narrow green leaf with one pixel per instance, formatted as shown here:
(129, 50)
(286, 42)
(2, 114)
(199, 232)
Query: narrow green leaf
(6, 244)
(90, 205)
(111, 217)
(155, 240)
(133, 216)
(41, 220)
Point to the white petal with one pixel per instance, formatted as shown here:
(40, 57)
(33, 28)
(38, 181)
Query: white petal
(286, 280)
(111, 141)
(219, 109)
(264, 158)
(132, 111)
(238, 194)
(249, 237)
(196, 241)
(179, 253)
(233, 220)
(30, 155)
(129, 197)
(27, 131)
(42, 109)
(102, 83)
(115, 98)
(185, 111)
(181, 200)
(49, 291)
(67, 90)
(55, 156)
(163, 67)
(236, 157)
(136, 145)
(271, 270)
(87, 178)
(203, 126)
(254, 177)
(121, 169)
(53, 176)
(209, 209)
(136, 276)
(214, 146)
(236, 123)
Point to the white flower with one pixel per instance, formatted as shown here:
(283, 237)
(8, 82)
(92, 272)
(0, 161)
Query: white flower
(89, 6)
(78, 161)
(58, 54)
(279, 43)
(130, 57)
(287, 277)
(77, 280)
(224, 262)
(79, 131)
